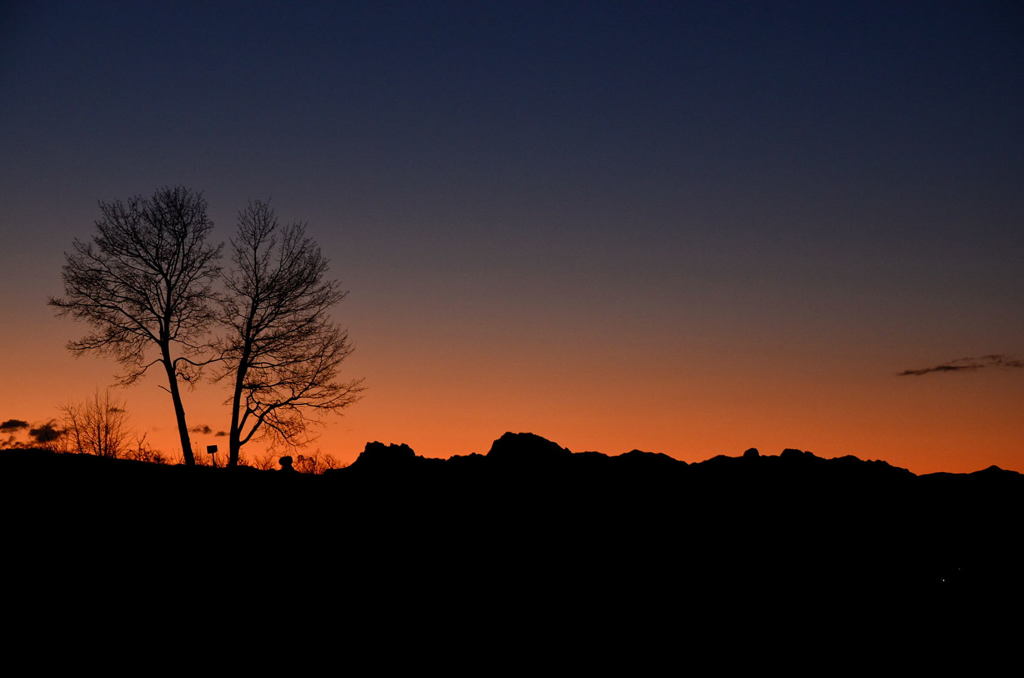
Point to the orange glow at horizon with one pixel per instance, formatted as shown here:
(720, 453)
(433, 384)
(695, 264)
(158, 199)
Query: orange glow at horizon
(454, 396)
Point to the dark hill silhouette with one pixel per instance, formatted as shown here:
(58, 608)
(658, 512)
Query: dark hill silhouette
(526, 449)
(388, 457)
(530, 522)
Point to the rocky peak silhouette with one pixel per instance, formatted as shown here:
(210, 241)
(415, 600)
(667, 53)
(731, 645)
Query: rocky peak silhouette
(377, 455)
(526, 448)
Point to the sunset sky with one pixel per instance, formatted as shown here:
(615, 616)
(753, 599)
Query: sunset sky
(682, 227)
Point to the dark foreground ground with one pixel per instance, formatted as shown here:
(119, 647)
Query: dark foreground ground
(528, 528)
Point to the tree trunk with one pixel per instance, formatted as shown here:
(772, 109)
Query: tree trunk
(235, 432)
(179, 408)
(234, 447)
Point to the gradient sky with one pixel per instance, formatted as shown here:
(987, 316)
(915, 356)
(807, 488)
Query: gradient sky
(682, 227)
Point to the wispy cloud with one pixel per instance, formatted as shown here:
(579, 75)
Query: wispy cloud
(46, 433)
(205, 428)
(13, 425)
(960, 364)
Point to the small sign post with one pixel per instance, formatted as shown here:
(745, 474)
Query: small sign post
(212, 450)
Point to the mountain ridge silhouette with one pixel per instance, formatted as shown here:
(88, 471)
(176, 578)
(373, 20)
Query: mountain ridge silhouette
(546, 522)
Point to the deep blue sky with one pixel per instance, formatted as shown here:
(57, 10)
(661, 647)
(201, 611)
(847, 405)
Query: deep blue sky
(856, 125)
(743, 182)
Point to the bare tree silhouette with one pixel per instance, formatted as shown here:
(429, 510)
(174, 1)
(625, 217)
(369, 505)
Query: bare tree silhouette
(144, 284)
(282, 351)
(96, 426)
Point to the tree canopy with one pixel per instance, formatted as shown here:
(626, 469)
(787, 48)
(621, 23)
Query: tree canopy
(282, 350)
(143, 284)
